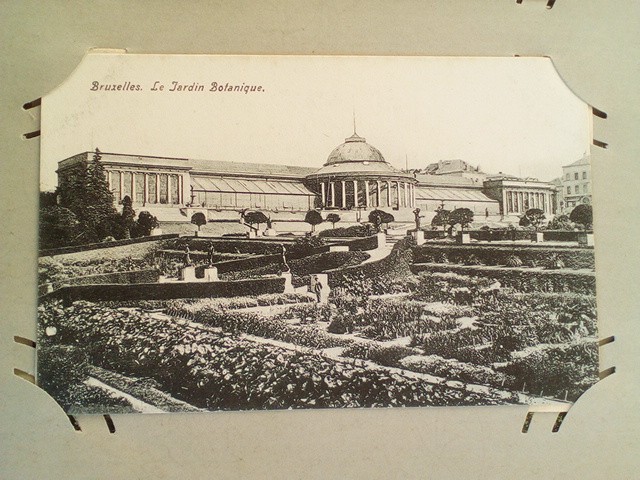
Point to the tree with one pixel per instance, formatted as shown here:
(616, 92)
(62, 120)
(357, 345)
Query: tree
(333, 218)
(84, 191)
(58, 227)
(441, 218)
(127, 217)
(254, 218)
(534, 217)
(198, 219)
(560, 222)
(313, 218)
(387, 218)
(145, 224)
(582, 214)
(378, 217)
(462, 217)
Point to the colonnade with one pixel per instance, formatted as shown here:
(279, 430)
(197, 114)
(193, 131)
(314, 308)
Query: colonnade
(367, 194)
(519, 201)
(146, 188)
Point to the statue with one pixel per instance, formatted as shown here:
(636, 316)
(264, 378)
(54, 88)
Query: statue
(212, 252)
(317, 290)
(285, 265)
(416, 214)
(187, 256)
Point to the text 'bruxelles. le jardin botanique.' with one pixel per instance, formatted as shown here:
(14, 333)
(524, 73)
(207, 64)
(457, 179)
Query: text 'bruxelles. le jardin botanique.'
(175, 86)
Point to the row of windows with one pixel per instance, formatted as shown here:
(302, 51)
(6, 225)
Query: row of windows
(123, 183)
(577, 189)
(576, 176)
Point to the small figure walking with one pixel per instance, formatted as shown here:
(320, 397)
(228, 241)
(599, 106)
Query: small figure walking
(285, 265)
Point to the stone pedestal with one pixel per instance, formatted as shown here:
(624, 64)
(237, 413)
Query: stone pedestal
(162, 279)
(585, 239)
(464, 238)
(156, 231)
(538, 237)
(211, 274)
(288, 286)
(319, 286)
(382, 239)
(270, 232)
(252, 234)
(339, 248)
(188, 274)
(418, 236)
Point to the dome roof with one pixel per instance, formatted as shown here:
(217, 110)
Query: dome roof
(354, 149)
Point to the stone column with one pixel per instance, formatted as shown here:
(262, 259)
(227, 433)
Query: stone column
(323, 194)
(333, 194)
(398, 194)
(355, 193)
(366, 193)
(145, 197)
(505, 205)
(180, 186)
(344, 194)
(406, 193)
(388, 193)
(157, 188)
(378, 194)
(169, 189)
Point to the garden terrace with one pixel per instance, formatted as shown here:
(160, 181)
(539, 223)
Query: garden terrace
(529, 255)
(300, 268)
(103, 245)
(166, 291)
(522, 278)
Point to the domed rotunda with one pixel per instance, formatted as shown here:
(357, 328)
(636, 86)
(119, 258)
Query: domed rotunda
(356, 176)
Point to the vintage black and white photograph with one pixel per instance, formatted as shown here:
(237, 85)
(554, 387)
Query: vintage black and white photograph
(288, 232)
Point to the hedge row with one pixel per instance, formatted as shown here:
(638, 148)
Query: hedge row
(374, 277)
(166, 291)
(135, 276)
(363, 230)
(577, 258)
(232, 245)
(522, 279)
(95, 246)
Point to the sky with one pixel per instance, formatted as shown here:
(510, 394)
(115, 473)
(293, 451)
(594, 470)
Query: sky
(511, 114)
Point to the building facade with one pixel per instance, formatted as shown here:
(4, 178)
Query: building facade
(576, 184)
(354, 178)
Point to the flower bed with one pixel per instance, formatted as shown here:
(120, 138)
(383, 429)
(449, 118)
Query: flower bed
(522, 279)
(276, 328)
(448, 368)
(220, 371)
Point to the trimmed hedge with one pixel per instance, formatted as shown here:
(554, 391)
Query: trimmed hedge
(243, 264)
(522, 279)
(363, 230)
(233, 245)
(571, 257)
(95, 246)
(166, 291)
(135, 276)
(562, 235)
(375, 277)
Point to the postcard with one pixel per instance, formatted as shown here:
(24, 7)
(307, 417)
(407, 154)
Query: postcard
(286, 232)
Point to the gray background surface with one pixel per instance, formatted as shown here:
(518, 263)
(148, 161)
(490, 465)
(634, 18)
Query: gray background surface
(594, 46)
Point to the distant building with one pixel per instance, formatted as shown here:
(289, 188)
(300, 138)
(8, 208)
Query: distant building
(576, 184)
(517, 195)
(355, 178)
